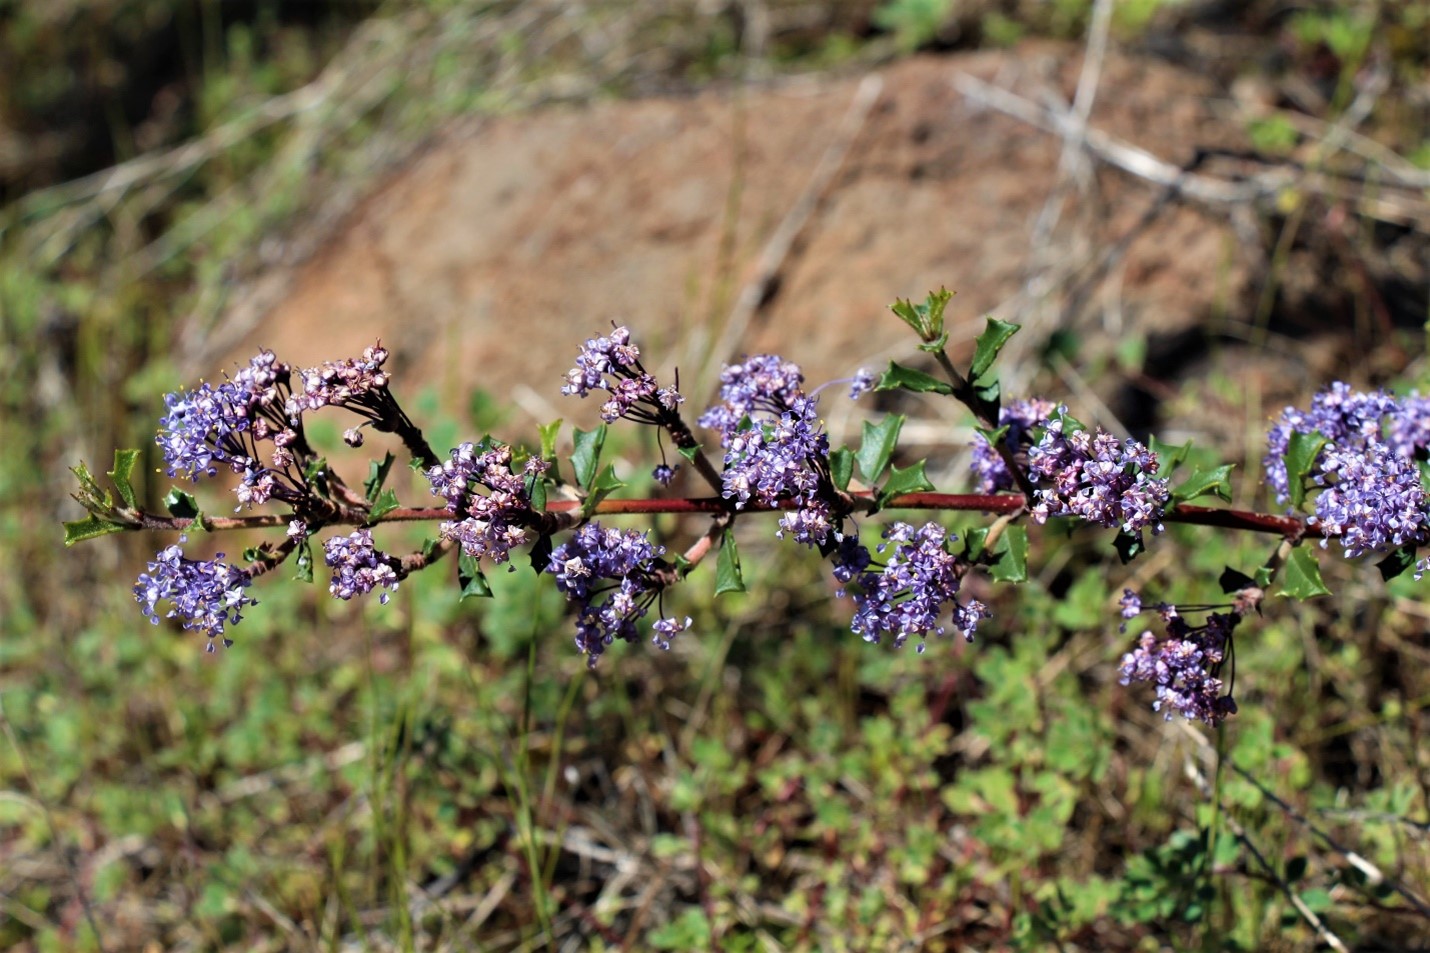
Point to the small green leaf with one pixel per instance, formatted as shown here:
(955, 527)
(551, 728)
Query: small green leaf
(1205, 483)
(1169, 455)
(181, 504)
(304, 562)
(878, 446)
(601, 487)
(841, 466)
(1302, 450)
(925, 319)
(1396, 563)
(728, 577)
(548, 439)
(377, 476)
(909, 480)
(471, 579)
(538, 494)
(1129, 546)
(973, 543)
(990, 342)
(586, 457)
(124, 461)
(690, 453)
(898, 377)
(1012, 553)
(385, 503)
(990, 394)
(91, 527)
(316, 473)
(1262, 576)
(1301, 578)
(994, 437)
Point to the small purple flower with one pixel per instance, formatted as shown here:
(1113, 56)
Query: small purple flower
(612, 364)
(1374, 503)
(1095, 476)
(1185, 666)
(494, 521)
(862, 383)
(664, 473)
(906, 595)
(1022, 418)
(204, 594)
(358, 384)
(1345, 417)
(612, 578)
(358, 566)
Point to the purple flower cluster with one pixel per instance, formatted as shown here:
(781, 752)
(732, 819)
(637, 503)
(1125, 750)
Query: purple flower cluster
(358, 384)
(205, 594)
(906, 595)
(224, 425)
(612, 364)
(1022, 418)
(1185, 665)
(1097, 477)
(358, 566)
(775, 446)
(612, 577)
(495, 521)
(1372, 498)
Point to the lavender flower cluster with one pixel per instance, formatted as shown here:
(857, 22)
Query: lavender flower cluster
(1185, 665)
(204, 594)
(495, 521)
(613, 578)
(1022, 418)
(1367, 481)
(775, 446)
(906, 595)
(1097, 477)
(359, 566)
(612, 364)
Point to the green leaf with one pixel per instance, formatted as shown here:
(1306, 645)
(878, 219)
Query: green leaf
(990, 393)
(909, 480)
(548, 438)
(1396, 563)
(841, 466)
(385, 503)
(601, 487)
(994, 437)
(898, 377)
(1169, 455)
(1012, 553)
(925, 319)
(990, 342)
(91, 527)
(728, 577)
(1129, 546)
(1302, 449)
(304, 562)
(377, 476)
(878, 445)
(690, 453)
(538, 495)
(973, 543)
(181, 504)
(1301, 577)
(1205, 483)
(470, 578)
(316, 473)
(124, 461)
(586, 457)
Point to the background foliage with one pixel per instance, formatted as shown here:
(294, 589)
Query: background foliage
(439, 775)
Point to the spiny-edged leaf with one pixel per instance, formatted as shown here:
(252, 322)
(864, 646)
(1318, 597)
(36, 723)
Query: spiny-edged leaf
(973, 543)
(841, 466)
(990, 394)
(908, 480)
(124, 461)
(1204, 483)
(1396, 563)
(377, 476)
(925, 319)
(91, 495)
(728, 577)
(601, 487)
(994, 437)
(385, 503)
(1169, 455)
(304, 562)
(1302, 449)
(1233, 580)
(548, 438)
(470, 578)
(91, 527)
(586, 457)
(1262, 576)
(989, 343)
(898, 377)
(1012, 555)
(1301, 576)
(878, 446)
(935, 345)
(181, 504)
(1129, 546)
(540, 554)
(690, 453)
